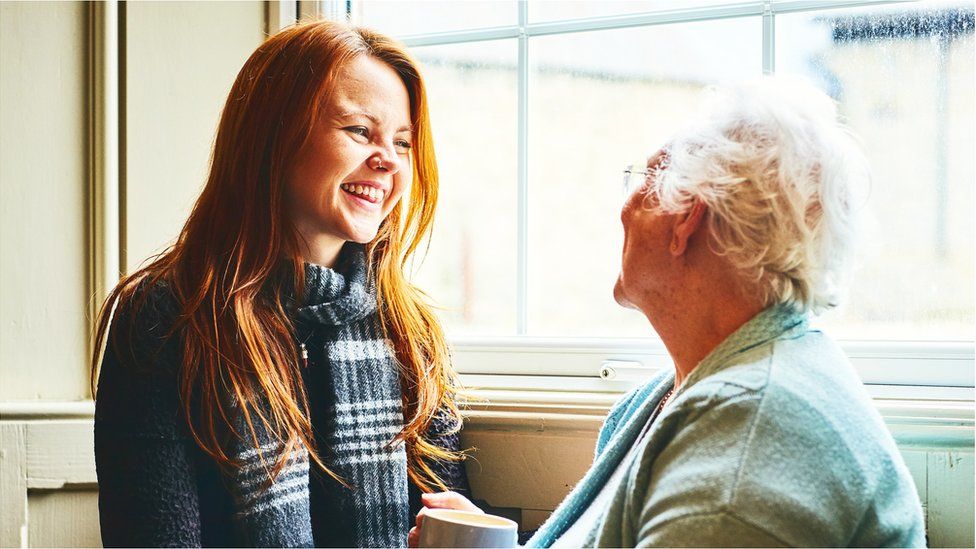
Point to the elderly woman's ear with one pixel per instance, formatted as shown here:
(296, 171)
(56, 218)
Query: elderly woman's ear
(686, 224)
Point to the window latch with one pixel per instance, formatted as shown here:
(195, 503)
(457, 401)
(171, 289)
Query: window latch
(624, 370)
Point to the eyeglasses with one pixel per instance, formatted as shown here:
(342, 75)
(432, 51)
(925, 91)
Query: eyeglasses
(634, 179)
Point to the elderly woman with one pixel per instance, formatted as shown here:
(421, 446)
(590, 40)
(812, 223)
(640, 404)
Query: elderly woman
(762, 435)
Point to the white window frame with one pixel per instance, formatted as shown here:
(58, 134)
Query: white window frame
(614, 365)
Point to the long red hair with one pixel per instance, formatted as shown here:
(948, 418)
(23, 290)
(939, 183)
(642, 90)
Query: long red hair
(238, 257)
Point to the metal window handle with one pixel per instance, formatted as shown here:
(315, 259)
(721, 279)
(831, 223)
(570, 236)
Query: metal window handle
(623, 370)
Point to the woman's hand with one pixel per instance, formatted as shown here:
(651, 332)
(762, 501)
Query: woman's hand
(441, 500)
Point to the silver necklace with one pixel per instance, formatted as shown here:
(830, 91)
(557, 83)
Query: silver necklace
(303, 350)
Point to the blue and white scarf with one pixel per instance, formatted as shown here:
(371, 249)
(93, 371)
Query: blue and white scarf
(353, 385)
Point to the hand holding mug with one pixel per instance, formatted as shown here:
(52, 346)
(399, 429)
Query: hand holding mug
(440, 500)
(453, 521)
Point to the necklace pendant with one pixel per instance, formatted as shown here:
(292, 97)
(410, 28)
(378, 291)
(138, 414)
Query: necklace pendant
(304, 353)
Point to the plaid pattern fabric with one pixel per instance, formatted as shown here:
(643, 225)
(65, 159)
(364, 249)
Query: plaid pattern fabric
(277, 515)
(360, 426)
(158, 488)
(353, 384)
(290, 485)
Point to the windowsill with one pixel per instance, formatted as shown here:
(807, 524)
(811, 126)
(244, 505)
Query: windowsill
(916, 416)
(904, 363)
(17, 410)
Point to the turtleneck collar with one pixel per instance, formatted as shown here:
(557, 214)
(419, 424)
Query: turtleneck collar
(340, 295)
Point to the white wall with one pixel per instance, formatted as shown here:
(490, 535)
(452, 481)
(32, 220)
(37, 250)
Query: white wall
(43, 210)
(180, 61)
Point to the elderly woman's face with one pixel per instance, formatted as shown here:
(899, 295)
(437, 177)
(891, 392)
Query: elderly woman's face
(356, 164)
(647, 236)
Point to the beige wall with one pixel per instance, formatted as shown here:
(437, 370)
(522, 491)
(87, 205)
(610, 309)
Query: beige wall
(43, 209)
(181, 58)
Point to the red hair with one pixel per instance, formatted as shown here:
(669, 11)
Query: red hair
(238, 255)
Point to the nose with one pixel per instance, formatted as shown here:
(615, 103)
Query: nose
(385, 159)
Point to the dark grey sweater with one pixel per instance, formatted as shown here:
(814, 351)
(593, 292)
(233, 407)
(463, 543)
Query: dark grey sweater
(157, 488)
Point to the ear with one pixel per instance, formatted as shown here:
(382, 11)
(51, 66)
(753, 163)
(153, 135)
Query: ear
(685, 225)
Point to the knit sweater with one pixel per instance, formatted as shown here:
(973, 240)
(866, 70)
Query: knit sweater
(158, 488)
(771, 441)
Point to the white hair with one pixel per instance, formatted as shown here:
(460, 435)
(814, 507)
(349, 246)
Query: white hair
(783, 182)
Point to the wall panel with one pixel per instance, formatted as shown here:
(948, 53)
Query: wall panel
(181, 59)
(64, 518)
(43, 203)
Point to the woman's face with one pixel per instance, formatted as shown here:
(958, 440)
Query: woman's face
(355, 165)
(644, 268)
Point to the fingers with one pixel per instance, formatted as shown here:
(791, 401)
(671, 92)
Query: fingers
(441, 500)
(449, 500)
(413, 536)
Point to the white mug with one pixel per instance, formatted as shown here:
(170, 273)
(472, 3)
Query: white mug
(451, 528)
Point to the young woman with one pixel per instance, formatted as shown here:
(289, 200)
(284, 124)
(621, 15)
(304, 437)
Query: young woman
(273, 379)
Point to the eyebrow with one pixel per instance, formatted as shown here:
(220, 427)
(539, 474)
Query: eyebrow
(348, 114)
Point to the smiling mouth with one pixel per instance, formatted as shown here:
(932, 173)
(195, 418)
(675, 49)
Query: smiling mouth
(365, 192)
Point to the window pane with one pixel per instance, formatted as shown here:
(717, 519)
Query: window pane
(903, 76)
(471, 266)
(601, 100)
(407, 17)
(578, 9)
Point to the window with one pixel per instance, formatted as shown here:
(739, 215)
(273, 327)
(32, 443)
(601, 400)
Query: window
(904, 78)
(537, 106)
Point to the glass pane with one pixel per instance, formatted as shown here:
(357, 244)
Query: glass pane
(558, 10)
(601, 100)
(470, 269)
(903, 76)
(407, 17)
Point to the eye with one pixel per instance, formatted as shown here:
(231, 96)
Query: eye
(402, 146)
(361, 131)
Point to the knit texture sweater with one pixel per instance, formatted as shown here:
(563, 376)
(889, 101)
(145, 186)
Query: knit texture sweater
(157, 488)
(771, 441)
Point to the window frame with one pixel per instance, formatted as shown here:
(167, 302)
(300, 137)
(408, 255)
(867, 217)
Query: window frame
(526, 362)
(887, 363)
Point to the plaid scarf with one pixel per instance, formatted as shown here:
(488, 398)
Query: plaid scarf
(353, 384)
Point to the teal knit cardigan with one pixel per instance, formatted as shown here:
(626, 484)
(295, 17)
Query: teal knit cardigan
(771, 441)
